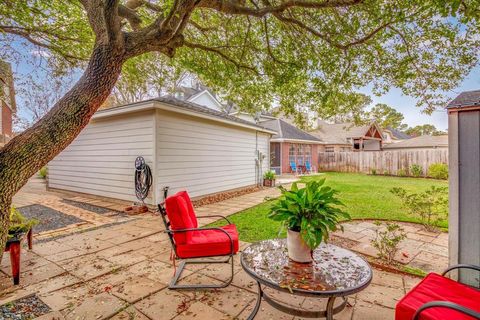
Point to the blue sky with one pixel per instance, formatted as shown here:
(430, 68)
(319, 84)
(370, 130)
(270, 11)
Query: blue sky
(395, 98)
(413, 114)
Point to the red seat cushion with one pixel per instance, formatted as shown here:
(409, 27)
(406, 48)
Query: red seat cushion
(207, 243)
(434, 287)
(181, 214)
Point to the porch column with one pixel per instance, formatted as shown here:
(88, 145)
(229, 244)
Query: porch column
(464, 189)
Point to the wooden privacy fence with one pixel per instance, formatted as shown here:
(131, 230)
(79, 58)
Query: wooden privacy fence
(384, 162)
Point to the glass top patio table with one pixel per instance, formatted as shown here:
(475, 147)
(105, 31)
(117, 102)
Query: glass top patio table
(335, 272)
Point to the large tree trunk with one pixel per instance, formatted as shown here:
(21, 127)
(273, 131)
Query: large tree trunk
(25, 154)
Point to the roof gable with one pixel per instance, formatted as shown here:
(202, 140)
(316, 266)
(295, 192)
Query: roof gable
(338, 133)
(206, 99)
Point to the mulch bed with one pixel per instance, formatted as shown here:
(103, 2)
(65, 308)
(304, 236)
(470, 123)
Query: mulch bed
(217, 197)
(88, 206)
(343, 242)
(24, 308)
(49, 219)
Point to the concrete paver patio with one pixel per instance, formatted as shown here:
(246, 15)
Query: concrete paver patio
(121, 272)
(121, 268)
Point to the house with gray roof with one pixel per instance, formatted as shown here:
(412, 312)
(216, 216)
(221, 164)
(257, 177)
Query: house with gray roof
(421, 142)
(187, 146)
(344, 137)
(391, 135)
(291, 145)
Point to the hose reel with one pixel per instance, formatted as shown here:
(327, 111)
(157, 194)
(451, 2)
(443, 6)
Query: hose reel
(143, 179)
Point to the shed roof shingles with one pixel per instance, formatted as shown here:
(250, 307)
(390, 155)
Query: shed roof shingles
(466, 99)
(190, 106)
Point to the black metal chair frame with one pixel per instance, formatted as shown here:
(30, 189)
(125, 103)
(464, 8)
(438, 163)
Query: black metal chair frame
(448, 304)
(184, 262)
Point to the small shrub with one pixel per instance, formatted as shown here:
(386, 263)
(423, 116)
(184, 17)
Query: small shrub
(373, 172)
(387, 240)
(43, 172)
(402, 173)
(269, 175)
(429, 206)
(19, 223)
(386, 173)
(416, 170)
(438, 171)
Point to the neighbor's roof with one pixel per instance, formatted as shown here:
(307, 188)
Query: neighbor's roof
(180, 106)
(338, 133)
(288, 132)
(420, 142)
(466, 99)
(398, 134)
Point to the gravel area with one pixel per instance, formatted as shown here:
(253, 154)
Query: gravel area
(49, 219)
(88, 207)
(25, 308)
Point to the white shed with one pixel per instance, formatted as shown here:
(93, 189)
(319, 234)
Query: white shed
(187, 146)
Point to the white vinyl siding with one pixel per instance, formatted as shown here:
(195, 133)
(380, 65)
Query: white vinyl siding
(185, 152)
(100, 161)
(203, 156)
(264, 147)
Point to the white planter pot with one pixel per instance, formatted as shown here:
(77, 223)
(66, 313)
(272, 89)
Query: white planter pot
(298, 251)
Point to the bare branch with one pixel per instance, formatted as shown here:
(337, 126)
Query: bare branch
(27, 36)
(39, 32)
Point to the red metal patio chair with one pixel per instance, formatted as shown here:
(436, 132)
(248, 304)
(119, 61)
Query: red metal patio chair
(189, 241)
(438, 297)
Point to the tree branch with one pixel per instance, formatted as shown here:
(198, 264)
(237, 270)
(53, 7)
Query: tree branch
(112, 21)
(221, 54)
(131, 16)
(27, 36)
(94, 9)
(232, 7)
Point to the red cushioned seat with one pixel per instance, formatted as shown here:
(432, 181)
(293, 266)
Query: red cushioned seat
(202, 243)
(435, 287)
(207, 243)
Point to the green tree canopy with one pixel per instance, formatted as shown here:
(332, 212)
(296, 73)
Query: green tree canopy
(313, 54)
(386, 116)
(425, 129)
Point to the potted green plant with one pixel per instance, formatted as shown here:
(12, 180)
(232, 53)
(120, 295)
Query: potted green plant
(269, 178)
(19, 224)
(309, 214)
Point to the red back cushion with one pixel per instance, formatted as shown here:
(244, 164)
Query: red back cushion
(191, 211)
(180, 213)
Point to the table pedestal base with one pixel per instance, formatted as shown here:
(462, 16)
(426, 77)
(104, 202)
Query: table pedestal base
(328, 313)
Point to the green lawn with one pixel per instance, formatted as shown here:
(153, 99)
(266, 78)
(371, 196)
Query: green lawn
(364, 196)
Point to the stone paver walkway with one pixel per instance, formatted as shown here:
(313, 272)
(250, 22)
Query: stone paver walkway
(122, 271)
